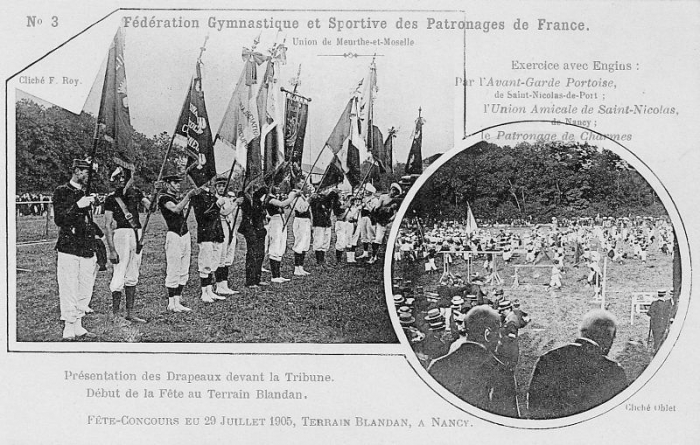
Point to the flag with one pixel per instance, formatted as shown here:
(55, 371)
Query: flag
(113, 116)
(414, 164)
(341, 131)
(471, 226)
(388, 153)
(240, 125)
(295, 130)
(376, 148)
(271, 112)
(333, 175)
(193, 133)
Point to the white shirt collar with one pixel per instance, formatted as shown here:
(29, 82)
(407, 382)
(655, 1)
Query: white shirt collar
(76, 185)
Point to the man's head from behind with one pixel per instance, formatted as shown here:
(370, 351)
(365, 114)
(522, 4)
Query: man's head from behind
(600, 326)
(482, 325)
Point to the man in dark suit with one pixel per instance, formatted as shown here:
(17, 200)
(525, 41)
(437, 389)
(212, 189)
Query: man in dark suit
(578, 376)
(472, 372)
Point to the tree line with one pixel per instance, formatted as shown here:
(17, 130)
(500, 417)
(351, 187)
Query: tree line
(534, 182)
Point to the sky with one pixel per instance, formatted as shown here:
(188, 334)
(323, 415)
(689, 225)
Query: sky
(160, 62)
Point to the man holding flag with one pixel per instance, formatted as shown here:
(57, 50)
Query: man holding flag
(123, 230)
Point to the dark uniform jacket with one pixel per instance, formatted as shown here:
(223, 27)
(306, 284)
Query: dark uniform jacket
(175, 221)
(321, 207)
(573, 379)
(207, 214)
(476, 376)
(76, 234)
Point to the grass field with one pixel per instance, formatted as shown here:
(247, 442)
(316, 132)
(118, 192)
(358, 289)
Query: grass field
(336, 304)
(556, 313)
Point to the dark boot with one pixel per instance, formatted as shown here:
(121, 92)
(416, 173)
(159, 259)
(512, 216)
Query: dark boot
(275, 268)
(130, 299)
(116, 302)
(339, 256)
(322, 256)
(319, 257)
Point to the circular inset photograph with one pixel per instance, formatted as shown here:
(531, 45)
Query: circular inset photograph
(536, 274)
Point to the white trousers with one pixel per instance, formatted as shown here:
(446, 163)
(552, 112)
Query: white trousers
(343, 235)
(126, 272)
(366, 230)
(379, 232)
(208, 258)
(322, 238)
(228, 250)
(76, 278)
(178, 251)
(301, 228)
(278, 238)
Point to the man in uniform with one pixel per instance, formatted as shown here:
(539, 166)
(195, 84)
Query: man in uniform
(210, 236)
(123, 230)
(383, 214)
(228, 211)
(578, 376)
(178, 243)
(659, 318)
(321, 205)
(77, 264)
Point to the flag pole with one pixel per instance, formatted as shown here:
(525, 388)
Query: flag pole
(308, 177)
(156, 191)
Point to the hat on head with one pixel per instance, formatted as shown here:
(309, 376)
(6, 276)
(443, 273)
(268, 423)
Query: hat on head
(661, 293)
(119, 171)
(221, 180)
(504, 305)
(395, 186)
(398, 300)
(406, 319)
(82, 164)
(516, 303)
(172, 178)
(499, 292)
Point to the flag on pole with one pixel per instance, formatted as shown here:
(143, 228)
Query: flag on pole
(471, 226)
(240, 126)
(193, 133)
(271, 112)
(297, 114)
(414, 164)
(113, 116)
(388, 152)
(333, 175)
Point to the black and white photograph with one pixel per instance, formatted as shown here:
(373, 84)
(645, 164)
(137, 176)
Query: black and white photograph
(536, 280)
(359, 222)
(254, 212)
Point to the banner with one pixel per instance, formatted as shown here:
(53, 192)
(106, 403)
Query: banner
(193, 134)
(113, 117)
(295, 130)
(414, 164)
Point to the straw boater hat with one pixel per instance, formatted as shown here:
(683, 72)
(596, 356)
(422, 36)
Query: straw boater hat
(504, 305)
(406, 319)
(397, 187)
(399, 300)
(435, 319)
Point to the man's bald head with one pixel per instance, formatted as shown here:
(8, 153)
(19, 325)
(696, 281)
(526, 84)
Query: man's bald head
(482, 324)
(600, 326)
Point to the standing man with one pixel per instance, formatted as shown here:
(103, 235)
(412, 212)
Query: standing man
(76, 267)
(301, 229)
(210, 236)
(321, 206)
(659, 318)
(383, 216)
(123, 230)
(277, 232)
(228, 211)
(178, 242)
(578, 376)
(253, 229)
